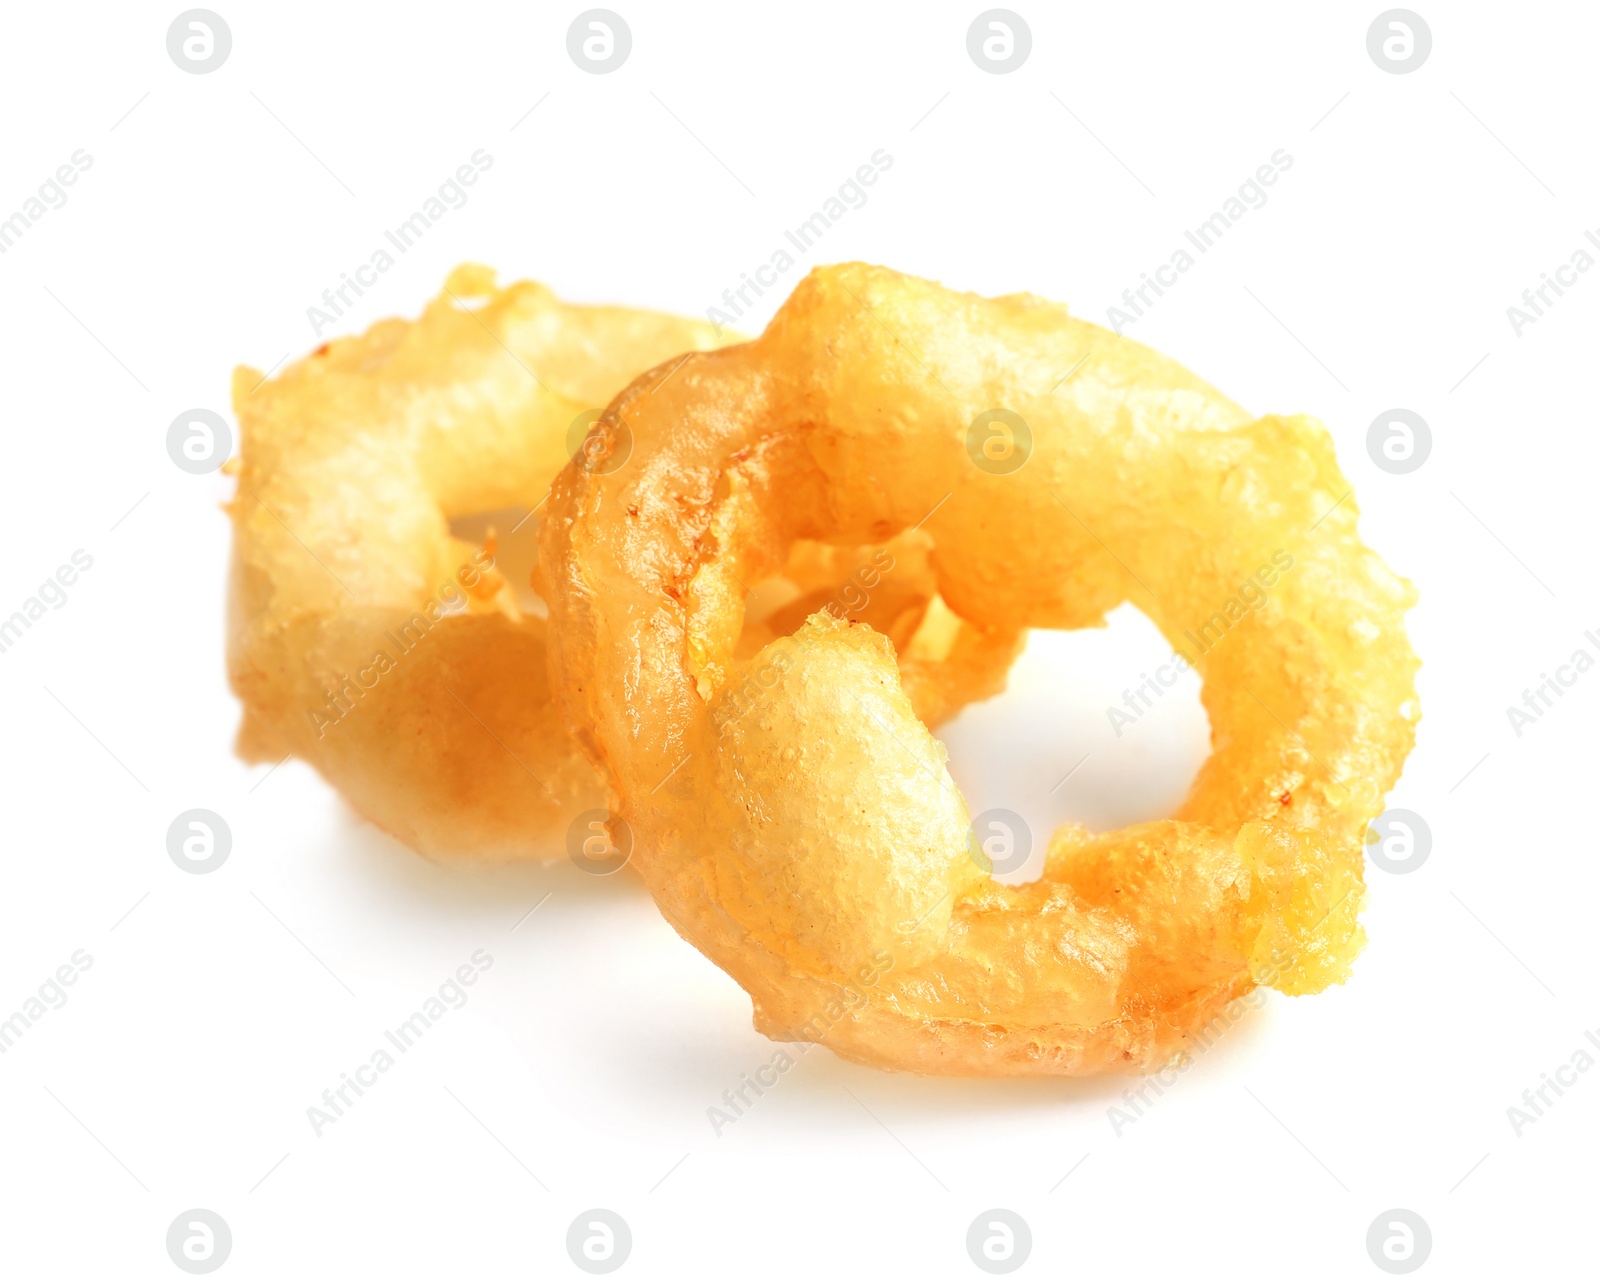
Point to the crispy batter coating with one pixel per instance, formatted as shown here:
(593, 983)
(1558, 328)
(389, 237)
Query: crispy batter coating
(792, 814)
(397, 659)
(362, 636)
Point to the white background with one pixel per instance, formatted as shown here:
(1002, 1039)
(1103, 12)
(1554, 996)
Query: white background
(219, 1008)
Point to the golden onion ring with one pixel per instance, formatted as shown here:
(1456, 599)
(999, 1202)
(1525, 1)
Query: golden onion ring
(407, 664)
(792, 815)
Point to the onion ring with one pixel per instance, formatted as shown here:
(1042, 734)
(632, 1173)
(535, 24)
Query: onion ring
(400, 660)
(363, 636)
(794, 818)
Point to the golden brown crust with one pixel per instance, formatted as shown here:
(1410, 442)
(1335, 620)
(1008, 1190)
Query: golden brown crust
(792, 813)
(363, 637)
(403, 663)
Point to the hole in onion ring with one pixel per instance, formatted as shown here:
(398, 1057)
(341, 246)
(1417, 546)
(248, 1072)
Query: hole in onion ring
(516, 549)
(1048, 749)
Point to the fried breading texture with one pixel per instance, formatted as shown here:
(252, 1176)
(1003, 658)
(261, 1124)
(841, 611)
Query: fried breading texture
(792, 813)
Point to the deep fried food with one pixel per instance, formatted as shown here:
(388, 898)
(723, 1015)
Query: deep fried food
(407, 664)
(791, 813)
(363, 636)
